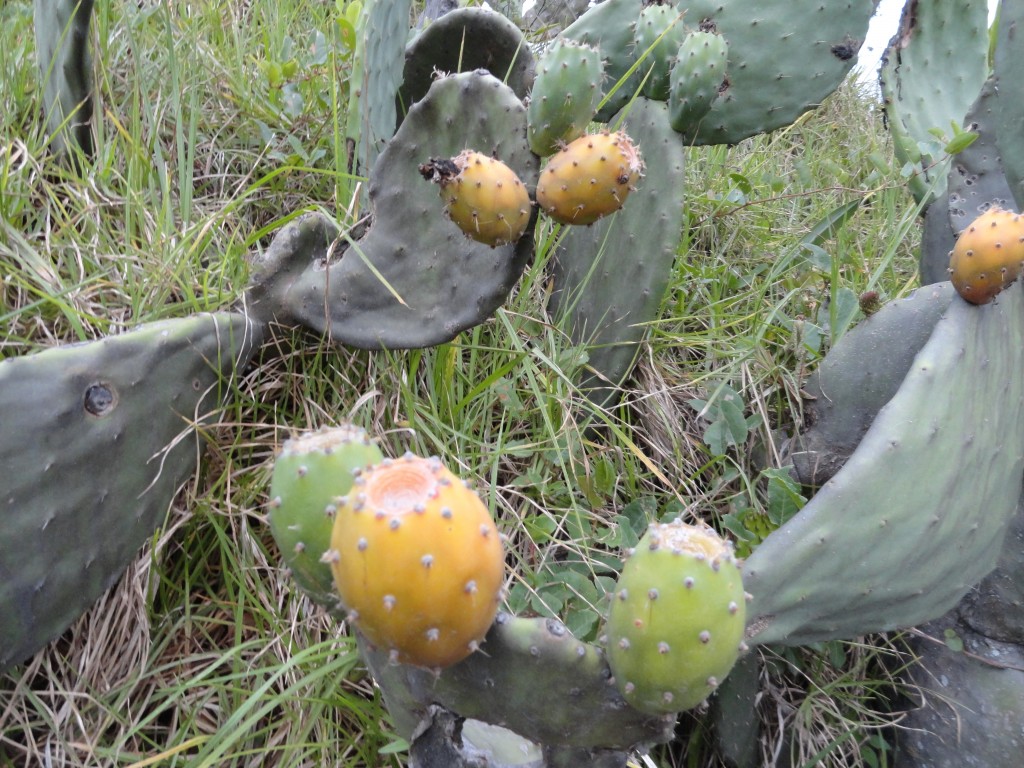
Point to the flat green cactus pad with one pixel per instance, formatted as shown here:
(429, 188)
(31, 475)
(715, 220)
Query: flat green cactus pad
(1009, 116)
(97, 439)
(413, 279)
(936, 36)
(918, 513)
(62, 49)
(532, 677)
(785, 57)
(611, 276)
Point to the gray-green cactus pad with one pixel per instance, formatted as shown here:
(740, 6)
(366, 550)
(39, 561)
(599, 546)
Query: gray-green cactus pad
(532, 677)
(918, 513)
(462, 41)
(62, 50)
(972, 706)
(414, 279)
(785, 57)
(947, 36)
(382, 33)
(97, 439)
(976, 180)
(859, 376)
(611, 276)
(937, 241)
(1009, 117)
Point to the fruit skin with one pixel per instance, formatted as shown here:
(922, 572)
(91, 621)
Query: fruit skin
(418, 560)
(987, 256)
(589, 178)
(482, 195)
(677, 619)
(309, 475)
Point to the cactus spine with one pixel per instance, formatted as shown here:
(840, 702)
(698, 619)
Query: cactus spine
(988, 255)
(589, 178)
(418, 561)
(309, 475)
(676, 624)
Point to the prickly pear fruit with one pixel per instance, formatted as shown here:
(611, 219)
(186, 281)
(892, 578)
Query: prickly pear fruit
(987, 255)
(676, 624)
(482, 195)
(418, 561)
(697, 78)
(589, 178)
(661, 27)
(565, 95)
(309, 475)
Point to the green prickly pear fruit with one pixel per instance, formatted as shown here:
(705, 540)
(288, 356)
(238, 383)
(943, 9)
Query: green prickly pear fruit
(565, 96)
(309, 475)
(418, 561)
(661, 27)
(677, 619)
(482, 195)
(589, 178)
(987, 255)
(697, 78)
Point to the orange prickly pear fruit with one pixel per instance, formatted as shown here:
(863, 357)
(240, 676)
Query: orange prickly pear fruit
(988, 255)
(589, 178)
(418, 561)
(482, 195)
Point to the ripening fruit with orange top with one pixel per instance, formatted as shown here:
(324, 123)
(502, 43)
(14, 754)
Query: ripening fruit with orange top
(418, 561)
(988, 255)
(589, 178)
(482, 195)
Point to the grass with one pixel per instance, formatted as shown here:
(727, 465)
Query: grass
(217, 124)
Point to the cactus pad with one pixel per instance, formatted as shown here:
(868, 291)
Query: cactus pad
(988, 255)
(418, 561)
(97, 440)
(62, 48)
(610, 277)
(534, 678)
(676, 624)
(589, 178)
(565, 95)
(482, 195)
(918, 513)
(697, 79)
(659, 33)
(310, 473)
(413, 279)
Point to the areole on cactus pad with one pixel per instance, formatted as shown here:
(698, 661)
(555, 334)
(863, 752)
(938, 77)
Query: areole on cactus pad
(418, 561)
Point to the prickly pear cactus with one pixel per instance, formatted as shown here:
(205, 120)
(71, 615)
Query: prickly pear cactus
(482, 196)
(418, 561)
(610, 277)
(565, 96)
(988, 255)
(697, 79)
(858, 376)
(310, 473)
(1009, 115)
(62, 48)
(97, 440)
(658, 35)
(413, 279)
(589, 178)
(465, 40)
(784, 59)
(676, 624)
(918, 513)
(538, 666)
(938, 35)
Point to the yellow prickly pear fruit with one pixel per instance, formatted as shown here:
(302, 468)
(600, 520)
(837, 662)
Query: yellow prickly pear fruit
(988, 255)
(418, 561)
(589, 178)
(482, 195)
